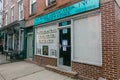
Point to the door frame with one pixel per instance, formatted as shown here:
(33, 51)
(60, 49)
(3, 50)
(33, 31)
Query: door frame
(27, 44)
(58, 57)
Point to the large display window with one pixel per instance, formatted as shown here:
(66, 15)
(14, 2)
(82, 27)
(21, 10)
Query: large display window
(87, 40)
(47, 41)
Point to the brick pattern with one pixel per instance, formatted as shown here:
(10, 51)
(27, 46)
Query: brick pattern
(41, 7)
(110, 23)
(117, 15)
(85, 71)
(40, 60)
(8, 9)
(109, 41)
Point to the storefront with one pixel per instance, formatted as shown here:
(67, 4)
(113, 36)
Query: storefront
(14, 38)
(70, 37)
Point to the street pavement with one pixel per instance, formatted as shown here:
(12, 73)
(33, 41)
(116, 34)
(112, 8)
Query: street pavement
(27, 71)
(3, 59)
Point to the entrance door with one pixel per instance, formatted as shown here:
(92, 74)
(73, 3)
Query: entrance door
(65, 47)
(29, 45)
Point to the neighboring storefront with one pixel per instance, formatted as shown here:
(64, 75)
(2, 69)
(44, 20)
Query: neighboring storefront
(72, 38)
(14, 38)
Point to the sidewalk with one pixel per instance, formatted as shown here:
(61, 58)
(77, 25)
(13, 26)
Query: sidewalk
(27, 71)
(3, 59)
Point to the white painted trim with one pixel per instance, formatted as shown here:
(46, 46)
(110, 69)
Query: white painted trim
(58, 46)
(18, 1)
(72, 40)
(30, 7)
(87, 63)
(46, 2)
(12, 6)
(46, 56)
(6, 11)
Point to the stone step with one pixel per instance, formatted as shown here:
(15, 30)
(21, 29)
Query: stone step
(62, 71)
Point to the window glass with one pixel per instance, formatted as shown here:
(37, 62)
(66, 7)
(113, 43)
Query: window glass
(12, 14)
(32, 6)
(49, 2)
(87, 40)
(20, 10)
(47, 41)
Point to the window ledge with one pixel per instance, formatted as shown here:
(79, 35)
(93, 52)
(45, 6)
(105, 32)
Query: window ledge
(32, 14)
(51, 5)
(47, 56)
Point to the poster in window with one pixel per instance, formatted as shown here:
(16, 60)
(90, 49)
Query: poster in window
(64, 42)
(64, 31)
(45, 50)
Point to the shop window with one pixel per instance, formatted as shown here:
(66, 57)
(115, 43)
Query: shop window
(46, 41)
(87, 40)
(10, 42)
(32, 6)
(49, 2)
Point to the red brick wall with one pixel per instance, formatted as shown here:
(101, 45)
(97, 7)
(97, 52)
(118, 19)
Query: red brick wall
(110, 47)
(42, 9)
(110, 43)
(117, 14)
(85, 71)
(40, 60)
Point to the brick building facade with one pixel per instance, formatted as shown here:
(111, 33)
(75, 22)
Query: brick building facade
(85, 40)
(12, 24)
(107, 14)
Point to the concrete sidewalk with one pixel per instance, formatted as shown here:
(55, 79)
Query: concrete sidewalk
(27, 71)
(3, 59)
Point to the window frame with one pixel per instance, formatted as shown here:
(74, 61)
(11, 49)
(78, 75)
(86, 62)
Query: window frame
(12, 14)
(31, 6)
(47, 2)
(6, 2)
(6, 18)
(20, 10)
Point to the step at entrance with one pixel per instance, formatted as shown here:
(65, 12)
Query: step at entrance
(62, 71)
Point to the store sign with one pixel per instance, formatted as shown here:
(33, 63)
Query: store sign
(82, 6)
